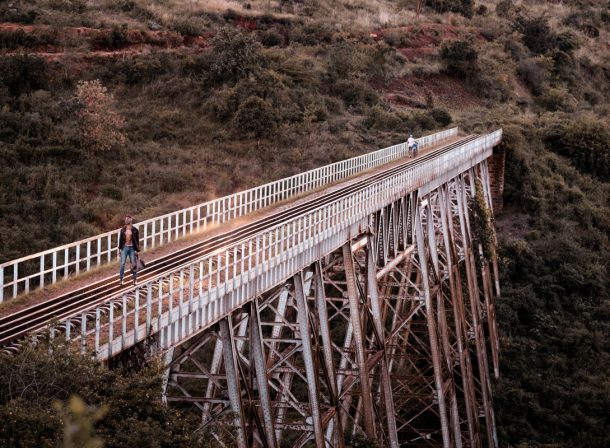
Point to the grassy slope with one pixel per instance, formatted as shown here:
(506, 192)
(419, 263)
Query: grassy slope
(340, 91)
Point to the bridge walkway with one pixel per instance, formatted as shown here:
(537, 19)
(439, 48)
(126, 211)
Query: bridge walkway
(72, 296)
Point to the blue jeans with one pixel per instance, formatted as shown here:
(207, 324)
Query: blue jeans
(131, 251)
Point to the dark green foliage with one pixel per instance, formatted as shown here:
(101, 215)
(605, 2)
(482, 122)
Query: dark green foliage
(23, 73)
(73, 6)
(255, 116)
(442, 117)
(312, 33)
(346, 61)
(481, 223)
(534, 73)
(585, 143)
(464, 7)
(460, 59)
(38, 376)
(554, 309)
(537, 34)
(235, 54)
(355, 93)
(117, 38)
(188, 27)
(380, 119)
(271, 38)
(18, 13)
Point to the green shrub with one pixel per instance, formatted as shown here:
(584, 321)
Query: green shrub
(346, 60)
(464, 7)
(441, 116)
(459, 59)
(17, 13)
(383, 120)
(355, 93)
(585, 143)
(271, 38)
(537, 34)
(556, 99)
(505, 8)
(145, 69)
(221, 106)
(23, 73)
(188, 27)
(234, 55)
(257, 117)
(112, 192)
(312, 33)
(117, 38)
(74, 6)
(12, 39)
(535, 73)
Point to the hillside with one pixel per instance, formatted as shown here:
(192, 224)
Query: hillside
(142, 107)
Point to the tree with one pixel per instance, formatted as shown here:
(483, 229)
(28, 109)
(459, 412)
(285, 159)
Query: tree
(234, 54)
(460, 59)
(101, 127)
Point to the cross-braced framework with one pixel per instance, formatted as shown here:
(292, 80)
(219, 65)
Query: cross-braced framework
(388, 337)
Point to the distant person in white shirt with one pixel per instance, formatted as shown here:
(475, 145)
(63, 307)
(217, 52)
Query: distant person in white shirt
(412, 145)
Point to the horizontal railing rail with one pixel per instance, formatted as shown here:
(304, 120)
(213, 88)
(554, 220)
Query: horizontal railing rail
(35, 271)
(198, 294)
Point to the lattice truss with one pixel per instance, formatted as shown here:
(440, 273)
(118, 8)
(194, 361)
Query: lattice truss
(387, 337)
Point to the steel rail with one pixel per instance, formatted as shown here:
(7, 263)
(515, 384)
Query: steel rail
(15, 326)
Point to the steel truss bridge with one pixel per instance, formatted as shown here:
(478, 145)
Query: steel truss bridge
(365, 309)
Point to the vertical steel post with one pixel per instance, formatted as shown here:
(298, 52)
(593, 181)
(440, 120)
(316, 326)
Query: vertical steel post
(234, 390)
(386, 385)
(432, 334)
(354, 306)
(327, 348)
(310, 370)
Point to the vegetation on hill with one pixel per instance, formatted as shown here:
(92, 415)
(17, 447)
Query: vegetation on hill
(216, 96)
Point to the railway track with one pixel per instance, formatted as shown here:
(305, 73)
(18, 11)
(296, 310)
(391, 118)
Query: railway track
(15, 326)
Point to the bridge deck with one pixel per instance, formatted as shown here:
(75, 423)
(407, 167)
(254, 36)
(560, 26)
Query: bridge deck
(106, 277)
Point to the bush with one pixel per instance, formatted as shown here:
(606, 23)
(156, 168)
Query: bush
(312, 33)
(355, 93)
(380, 119)
(188, 27)
(39, 376)
(101, 126)
(553, 99)
(460, 59)
(585, 143)
(271, 38)
(117, 38)
(234, 55)
(505, 8)
(535, 73)
(464, 7)
(23, 73)
(537, 34)
(257, 117)
(74, 6)
(346, 60)
(441, 116)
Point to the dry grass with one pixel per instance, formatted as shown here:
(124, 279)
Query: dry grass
(172, 10)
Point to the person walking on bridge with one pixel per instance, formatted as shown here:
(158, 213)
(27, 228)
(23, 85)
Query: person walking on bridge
(129, 245)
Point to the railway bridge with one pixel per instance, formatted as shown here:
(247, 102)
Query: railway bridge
(353, 300)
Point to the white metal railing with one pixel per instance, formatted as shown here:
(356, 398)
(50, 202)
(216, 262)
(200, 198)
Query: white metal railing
(35, 271)
(200, 293)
